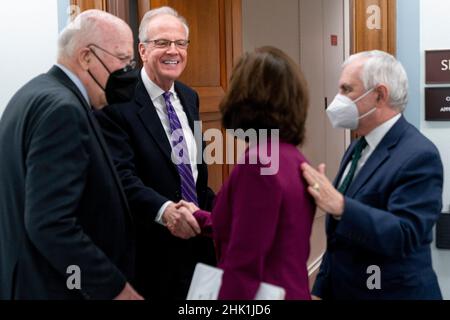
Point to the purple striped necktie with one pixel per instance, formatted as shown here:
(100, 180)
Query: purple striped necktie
(188, 186)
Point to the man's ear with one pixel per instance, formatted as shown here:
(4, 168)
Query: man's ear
(383, 93)
(142, 52)
(84, 58)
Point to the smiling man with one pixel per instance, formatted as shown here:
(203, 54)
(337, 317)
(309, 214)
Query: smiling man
(139, 134)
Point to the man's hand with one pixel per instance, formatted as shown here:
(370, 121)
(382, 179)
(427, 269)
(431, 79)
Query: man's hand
(128, 293)
(180, 222)
(315, 298)
(326, 196)
(188, 205)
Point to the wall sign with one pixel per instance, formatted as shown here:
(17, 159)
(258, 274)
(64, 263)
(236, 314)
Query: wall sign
(437, 104)
(437, 66)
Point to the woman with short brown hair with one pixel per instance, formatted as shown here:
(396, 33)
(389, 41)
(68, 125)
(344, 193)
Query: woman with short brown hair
(267, 91)
(261, 223)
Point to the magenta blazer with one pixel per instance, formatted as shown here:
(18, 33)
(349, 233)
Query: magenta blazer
(262, 226)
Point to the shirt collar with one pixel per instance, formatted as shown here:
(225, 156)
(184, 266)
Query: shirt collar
(375, 136)
(76, 81)
(153, 89)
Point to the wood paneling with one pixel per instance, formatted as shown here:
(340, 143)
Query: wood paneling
(215, 171)
(374, 25)
(143, 7)
(90, 4)
(203, 69)
(119, 8)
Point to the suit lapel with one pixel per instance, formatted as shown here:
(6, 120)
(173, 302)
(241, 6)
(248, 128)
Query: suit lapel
(331, 223)
(379, 156)
(345, 161)
(191, 110)
(151, 121)
(65, 80)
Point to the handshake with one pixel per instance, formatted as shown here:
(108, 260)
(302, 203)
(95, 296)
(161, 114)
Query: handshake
(179, 219)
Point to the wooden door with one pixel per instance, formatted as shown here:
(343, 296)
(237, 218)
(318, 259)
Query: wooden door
(374, 25)
(124, 9)
(84, 5)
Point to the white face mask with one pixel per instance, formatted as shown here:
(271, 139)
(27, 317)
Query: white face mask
(343, 112)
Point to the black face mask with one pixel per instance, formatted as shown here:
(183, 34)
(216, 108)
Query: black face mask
(121, 86)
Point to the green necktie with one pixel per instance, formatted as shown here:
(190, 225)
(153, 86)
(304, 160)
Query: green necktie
(360, 145)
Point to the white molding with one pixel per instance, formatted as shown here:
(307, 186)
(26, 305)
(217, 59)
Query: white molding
(315, 265)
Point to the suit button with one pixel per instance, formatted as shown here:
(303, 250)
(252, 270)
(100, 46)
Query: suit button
(178, 195)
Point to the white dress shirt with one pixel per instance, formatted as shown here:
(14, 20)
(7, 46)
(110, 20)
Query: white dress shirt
(373, 140)
(156, 95)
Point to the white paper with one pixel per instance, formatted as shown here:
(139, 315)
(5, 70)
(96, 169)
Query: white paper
(207, 281)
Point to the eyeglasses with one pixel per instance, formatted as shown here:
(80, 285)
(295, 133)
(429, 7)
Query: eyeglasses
(131, 64)
(164, 43)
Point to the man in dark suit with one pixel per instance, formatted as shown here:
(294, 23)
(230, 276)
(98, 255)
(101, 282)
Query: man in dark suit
(142, 135)
(65, 228)
(387, 196)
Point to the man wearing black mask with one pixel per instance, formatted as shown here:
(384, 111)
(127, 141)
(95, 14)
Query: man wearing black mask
(121, 83)
(65, 228)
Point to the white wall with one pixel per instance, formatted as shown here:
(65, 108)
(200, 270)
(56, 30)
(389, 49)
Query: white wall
(302, 28)
(435, 26)
(28, 33)
(272, 22)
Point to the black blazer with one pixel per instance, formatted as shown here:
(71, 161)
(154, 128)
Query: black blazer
(141, 153)
(61, 201)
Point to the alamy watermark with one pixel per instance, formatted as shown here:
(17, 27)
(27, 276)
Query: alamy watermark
(226, 149)
(374, 281)
(74, 280)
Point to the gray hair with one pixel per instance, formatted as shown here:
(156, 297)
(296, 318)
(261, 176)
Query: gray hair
(86, 28)
(152, 14)
(382, 68)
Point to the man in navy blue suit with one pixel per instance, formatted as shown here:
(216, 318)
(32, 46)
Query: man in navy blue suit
(387, 195)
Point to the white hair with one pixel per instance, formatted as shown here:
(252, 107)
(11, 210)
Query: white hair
(380, 67)
(88, 27)
(152, 14)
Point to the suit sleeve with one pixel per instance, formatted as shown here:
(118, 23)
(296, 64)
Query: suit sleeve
(56, 174)
(210, 197)
(255, 215)
(413, 208)
(144, 201)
